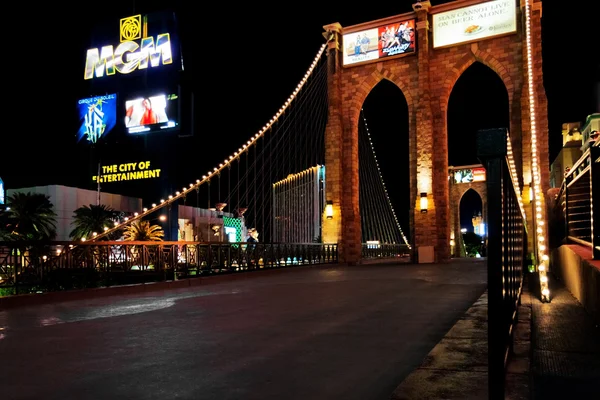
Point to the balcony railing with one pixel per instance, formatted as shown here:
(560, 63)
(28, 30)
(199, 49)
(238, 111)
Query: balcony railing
(573, 217)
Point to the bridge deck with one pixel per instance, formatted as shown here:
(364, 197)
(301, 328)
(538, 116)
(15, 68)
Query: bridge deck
(330, 332)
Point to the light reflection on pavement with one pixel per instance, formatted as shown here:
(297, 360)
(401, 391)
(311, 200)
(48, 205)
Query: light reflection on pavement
(74, 311)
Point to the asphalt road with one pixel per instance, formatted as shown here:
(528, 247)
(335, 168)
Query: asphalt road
(331, 332)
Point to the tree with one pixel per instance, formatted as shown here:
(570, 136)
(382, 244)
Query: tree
(473, 244)
(142, 230)
(91, 219)
(30, 217)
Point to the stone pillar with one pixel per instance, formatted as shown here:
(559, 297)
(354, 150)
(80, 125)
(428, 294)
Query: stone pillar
(341, 180)
(425, 229)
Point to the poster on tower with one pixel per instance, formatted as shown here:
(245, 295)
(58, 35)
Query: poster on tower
(385, 41)
(474, 23)
(97, 117)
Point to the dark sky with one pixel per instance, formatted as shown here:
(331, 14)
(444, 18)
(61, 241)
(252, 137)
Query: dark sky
(243, 62)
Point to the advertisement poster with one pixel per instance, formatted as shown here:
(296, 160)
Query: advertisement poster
(479, 174)
(379, 43)
(475, 22)
(469, 175)
(97, 117)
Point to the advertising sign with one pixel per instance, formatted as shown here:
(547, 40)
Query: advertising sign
(97, 117)
(129, 55)
(476, 22)
(2, 192)
(126, 172)
(147, 114)
(379, 43)
(469, 175)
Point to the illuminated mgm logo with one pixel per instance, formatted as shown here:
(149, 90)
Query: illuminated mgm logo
(129, 55)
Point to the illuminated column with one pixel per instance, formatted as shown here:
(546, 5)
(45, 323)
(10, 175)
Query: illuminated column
(539, 140)
(425, 221)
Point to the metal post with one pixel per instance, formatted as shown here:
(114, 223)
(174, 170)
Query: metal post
(492, 150)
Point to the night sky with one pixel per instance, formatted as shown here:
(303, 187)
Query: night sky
(242, 63)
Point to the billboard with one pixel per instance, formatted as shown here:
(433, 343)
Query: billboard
(146, 114)
(476, 22)
(469, 175)
(378, 43)
(145, 42)
(2, 192)
(97, 117)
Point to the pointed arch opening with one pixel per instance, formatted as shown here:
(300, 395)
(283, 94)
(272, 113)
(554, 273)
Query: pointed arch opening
(479, 100)
(472, 224)
(383, 154)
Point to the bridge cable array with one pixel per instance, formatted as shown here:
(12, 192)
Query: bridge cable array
(292, 141)
(378, 218)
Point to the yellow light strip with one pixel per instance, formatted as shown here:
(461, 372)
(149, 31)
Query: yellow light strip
(539, 212)
(514, 176)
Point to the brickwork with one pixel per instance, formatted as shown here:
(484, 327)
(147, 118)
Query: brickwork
(426, 79)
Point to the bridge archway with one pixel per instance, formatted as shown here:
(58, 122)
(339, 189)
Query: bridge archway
(383, 164)
(426, 77)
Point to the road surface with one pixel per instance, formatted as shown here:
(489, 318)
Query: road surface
(327, 332)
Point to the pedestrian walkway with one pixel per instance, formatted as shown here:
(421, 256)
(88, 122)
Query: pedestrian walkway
(556, 353)
(566, 347)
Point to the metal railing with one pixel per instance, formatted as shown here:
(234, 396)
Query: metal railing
(574, 205)
(373, 251)
(69, 265)
(507, 249)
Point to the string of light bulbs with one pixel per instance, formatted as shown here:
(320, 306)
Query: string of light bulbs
(226, 162)
(387, 196)
(542, 257)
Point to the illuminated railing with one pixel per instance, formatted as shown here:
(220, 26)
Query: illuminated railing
(372, 250)
(106, 263)
(573, 218)
(506, 252)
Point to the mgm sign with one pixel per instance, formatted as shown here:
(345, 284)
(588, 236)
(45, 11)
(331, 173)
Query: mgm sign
(129, 55)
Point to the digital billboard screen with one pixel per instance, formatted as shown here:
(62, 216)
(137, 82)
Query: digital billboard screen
(379, 43)
(155, 113)
(97, 117)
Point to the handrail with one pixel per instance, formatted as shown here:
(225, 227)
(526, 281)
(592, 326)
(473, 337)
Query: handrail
(507, 249)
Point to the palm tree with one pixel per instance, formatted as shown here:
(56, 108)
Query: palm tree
(142, 230)
(91, 219)
(31, 217)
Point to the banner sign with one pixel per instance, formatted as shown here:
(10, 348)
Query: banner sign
(2, 192)
(379, 43)
(476, 22)
(97, 116)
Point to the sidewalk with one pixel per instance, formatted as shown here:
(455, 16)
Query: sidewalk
(566, 347)
(556, 354)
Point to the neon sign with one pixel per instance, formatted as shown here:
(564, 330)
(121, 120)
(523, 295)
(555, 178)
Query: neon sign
(129, 55)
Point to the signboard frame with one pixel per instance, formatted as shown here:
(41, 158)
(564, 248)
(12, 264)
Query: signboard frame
(473, 23)
(398, 37)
